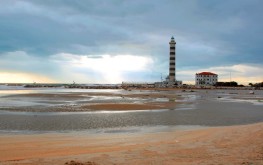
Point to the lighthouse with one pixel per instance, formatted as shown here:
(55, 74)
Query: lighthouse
(172, 69)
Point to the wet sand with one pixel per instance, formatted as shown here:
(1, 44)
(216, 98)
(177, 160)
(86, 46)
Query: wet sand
(119, 100)
(91, 101)
(68, 110)
(216, 145)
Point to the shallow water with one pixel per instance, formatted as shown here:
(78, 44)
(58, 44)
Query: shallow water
(200, 108)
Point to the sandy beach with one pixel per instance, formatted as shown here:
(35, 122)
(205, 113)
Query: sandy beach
(217, 145)
(125, 127)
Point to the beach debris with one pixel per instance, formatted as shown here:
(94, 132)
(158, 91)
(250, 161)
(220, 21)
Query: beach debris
(247, 163)
(251, 92)
(172, 99)
(72, 162)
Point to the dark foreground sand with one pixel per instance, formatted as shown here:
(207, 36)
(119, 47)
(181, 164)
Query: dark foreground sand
(217, 145)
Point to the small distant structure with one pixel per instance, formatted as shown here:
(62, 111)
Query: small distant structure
(206, 79)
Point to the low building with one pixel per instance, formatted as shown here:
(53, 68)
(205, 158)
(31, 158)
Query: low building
(205, 78)
(137, 85)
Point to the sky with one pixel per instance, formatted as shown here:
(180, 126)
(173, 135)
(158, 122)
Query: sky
(102, 41)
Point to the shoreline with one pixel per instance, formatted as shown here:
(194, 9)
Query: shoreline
(66, 101)
(64, 110)
(241, 144)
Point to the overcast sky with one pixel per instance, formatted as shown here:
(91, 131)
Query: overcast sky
(110, 41)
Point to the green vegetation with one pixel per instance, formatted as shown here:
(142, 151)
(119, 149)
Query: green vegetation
(256, 84)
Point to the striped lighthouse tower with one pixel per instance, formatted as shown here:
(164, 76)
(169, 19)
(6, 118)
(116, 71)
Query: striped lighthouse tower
(172, 61)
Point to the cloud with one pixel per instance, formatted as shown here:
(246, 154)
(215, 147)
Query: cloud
(208, 34)
(24, 62)
(50, 27)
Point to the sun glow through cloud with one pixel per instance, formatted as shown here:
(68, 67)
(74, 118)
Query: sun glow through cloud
(111, 68)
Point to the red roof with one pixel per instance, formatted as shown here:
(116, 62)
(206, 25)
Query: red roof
(206, 73)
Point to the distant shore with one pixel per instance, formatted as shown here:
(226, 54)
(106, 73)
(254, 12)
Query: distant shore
(146, 86)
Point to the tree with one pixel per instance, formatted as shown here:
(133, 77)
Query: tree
(227, 84)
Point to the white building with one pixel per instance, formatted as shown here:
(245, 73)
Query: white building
(205, 78)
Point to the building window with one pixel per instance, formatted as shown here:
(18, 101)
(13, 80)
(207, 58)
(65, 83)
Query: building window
(172, 58)
(172, 63)
(172, 48)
